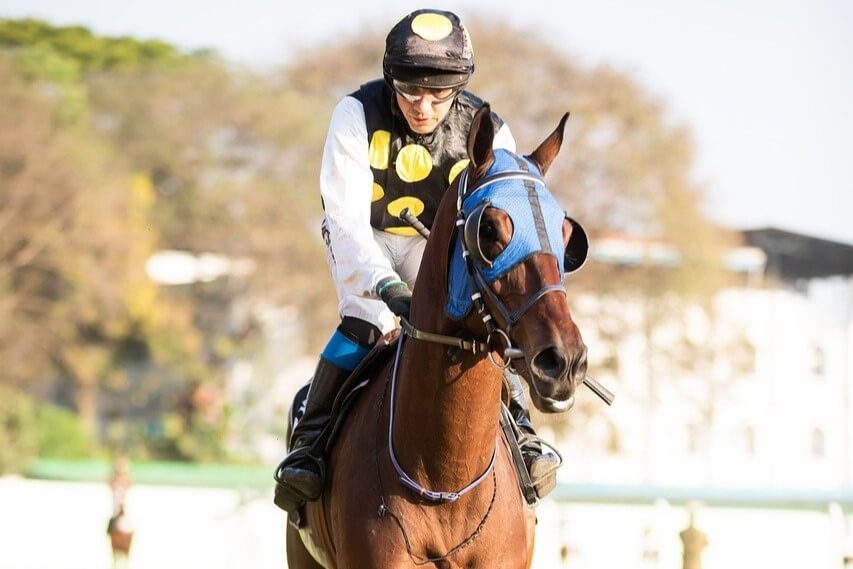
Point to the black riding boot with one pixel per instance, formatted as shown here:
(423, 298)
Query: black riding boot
(542, 466)
(301, 475)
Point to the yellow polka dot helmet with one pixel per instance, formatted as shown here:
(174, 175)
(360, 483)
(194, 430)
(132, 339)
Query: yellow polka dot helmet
(429, 48)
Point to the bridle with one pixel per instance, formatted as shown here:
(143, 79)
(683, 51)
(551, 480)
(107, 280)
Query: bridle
(467, 232)
(468, 227)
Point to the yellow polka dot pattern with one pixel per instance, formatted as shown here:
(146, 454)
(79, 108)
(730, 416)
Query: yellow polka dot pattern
(432, 27)
(378, 193)
(413, 163)
(380, 146)
(457, 169)
(416, 206)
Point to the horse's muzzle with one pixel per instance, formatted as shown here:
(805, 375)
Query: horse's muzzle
(554, 377)
(550, 364)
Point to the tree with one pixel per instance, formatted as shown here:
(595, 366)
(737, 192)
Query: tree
(90, 52)
(153, 149)
(116, 147)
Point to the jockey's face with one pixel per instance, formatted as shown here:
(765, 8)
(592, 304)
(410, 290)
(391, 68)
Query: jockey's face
(424, 110)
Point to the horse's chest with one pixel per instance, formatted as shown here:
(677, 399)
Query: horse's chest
(454, 538)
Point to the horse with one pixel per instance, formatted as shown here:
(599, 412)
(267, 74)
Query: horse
(421, 473)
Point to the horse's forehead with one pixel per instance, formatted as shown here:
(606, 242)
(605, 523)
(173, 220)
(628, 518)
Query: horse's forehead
(510, 194)
(536, 216)
(513, 185)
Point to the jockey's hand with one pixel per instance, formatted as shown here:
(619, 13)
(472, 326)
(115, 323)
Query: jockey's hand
(397, 295)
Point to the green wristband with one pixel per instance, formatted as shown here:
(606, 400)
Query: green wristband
(383, 286)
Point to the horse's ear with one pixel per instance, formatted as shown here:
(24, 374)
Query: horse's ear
(481, 137)
(547, 151)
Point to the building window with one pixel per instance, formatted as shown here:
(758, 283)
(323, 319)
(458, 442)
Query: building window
(818, 443)
(818, 361)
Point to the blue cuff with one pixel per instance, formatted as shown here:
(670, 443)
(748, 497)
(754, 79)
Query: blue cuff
(343, 352)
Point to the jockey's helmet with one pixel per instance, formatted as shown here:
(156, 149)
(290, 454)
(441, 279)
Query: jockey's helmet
(429, 48)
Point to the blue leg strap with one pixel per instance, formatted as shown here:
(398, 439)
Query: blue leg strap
(344, 352)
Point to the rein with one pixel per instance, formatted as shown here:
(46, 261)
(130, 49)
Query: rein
(479, 286)
(473, 345)
(405, 479)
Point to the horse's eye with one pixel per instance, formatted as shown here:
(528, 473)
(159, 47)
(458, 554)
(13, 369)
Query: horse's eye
(488, 231)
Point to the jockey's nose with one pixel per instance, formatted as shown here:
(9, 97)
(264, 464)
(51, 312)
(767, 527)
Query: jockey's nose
(550, 363)
(423, 106)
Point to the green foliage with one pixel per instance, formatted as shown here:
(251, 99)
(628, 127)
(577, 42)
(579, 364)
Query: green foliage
(44, 62)
(18, 433)
(170, 437)
(114, 148)
(201, 441)
(90, 52)
(29, 430)
(62, 435)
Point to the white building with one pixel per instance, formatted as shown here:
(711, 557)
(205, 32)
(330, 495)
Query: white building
(763, 400)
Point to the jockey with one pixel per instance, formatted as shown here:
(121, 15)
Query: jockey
(394, 143)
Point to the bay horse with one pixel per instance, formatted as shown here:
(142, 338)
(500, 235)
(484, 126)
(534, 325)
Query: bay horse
(421, 474)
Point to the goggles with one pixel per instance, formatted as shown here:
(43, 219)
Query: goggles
(414, 93)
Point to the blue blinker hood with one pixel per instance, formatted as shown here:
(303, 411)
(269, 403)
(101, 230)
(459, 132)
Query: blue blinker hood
(537, 221)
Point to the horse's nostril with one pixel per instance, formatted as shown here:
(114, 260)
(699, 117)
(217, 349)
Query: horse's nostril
(550, 362)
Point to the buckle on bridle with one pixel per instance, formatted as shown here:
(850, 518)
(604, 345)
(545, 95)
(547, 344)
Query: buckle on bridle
(506, 360)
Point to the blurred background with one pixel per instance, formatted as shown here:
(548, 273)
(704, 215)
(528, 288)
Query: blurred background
(164, 291)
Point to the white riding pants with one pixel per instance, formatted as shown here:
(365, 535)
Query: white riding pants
(405, 255)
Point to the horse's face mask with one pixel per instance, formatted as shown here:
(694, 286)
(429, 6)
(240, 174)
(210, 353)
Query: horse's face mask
(514, 185)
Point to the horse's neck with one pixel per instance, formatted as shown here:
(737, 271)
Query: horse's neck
(446, 423)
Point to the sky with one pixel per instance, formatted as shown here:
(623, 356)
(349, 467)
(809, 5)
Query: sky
(766, 86)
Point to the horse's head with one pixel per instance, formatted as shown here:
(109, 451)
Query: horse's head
(512, 245)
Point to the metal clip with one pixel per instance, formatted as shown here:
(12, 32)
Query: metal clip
(506, 360)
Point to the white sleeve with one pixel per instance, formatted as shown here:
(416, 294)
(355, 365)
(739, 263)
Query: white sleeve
(504, 139)
(346, 185)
